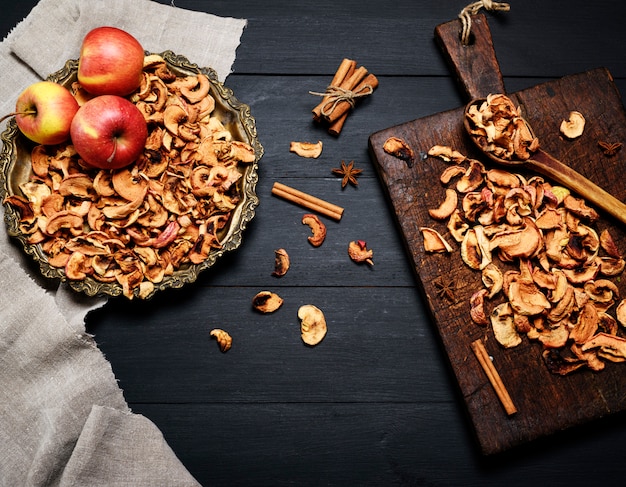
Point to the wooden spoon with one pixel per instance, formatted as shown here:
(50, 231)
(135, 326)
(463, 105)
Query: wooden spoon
(543, 163)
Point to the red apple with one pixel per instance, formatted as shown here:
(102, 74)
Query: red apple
(109, 132)
(110, 62)
(44, 112)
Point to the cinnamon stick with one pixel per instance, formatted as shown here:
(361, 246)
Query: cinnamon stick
(336, 127)
(345, 70)
(308, 201)
(349, 84)
(492, 374)
(368, 80)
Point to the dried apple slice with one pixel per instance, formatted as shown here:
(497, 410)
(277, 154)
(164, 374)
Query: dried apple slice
(223, 338)
(475, 250)
(526, 298)
(518, 243)
(129, 184)
(447, 207)
(318, 229)
(451, 172)
(446, 153)
(267, 302)
(503, 326)
(434, 241)
(472, 178)
(586, 326)
(608, 244)
(307, 149)
(492, 279)
(477, 307)
(399, 148)
(574, 126)
(78, 266)
(358, 252)
(281, 262)
(610, 344)
(312, 324)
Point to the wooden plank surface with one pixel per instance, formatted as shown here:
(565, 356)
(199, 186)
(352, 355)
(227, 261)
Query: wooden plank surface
(377, 403)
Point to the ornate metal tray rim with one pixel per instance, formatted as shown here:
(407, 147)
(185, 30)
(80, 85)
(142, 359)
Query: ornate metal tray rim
(242, 124)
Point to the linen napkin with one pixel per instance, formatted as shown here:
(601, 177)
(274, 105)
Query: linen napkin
(63, 418)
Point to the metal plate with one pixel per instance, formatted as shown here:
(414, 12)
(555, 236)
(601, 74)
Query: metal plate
(15, 169)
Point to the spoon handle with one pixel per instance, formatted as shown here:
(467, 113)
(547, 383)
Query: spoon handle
(547, 165)
(475, 65)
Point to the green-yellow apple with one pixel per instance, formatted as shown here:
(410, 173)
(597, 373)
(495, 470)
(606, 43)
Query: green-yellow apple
(109, 132)
(44, 112)
(110, 62)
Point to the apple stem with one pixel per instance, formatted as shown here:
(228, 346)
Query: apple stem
(26, 112)
(112, 156)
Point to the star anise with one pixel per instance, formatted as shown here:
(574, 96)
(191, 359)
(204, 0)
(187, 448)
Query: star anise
(445, 288)
(348, 172)
(609, 148)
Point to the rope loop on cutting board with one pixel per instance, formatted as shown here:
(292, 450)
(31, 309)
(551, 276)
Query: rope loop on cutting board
(473, 9)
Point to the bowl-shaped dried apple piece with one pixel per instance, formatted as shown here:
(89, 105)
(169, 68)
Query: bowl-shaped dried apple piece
(267, 302)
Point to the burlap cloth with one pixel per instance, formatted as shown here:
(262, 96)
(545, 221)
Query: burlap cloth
(63, 418)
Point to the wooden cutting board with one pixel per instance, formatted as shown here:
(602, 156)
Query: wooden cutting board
(546, 403)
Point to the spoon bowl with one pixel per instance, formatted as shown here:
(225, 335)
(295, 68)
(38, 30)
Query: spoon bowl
(482, 141)
(540, 161)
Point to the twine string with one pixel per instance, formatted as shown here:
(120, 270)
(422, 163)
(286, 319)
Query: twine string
(336, 95)
(472, 9)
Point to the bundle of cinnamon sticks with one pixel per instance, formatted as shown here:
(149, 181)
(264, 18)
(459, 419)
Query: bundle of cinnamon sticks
(347, 86)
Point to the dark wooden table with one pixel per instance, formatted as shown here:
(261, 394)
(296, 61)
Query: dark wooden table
(376, 402)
